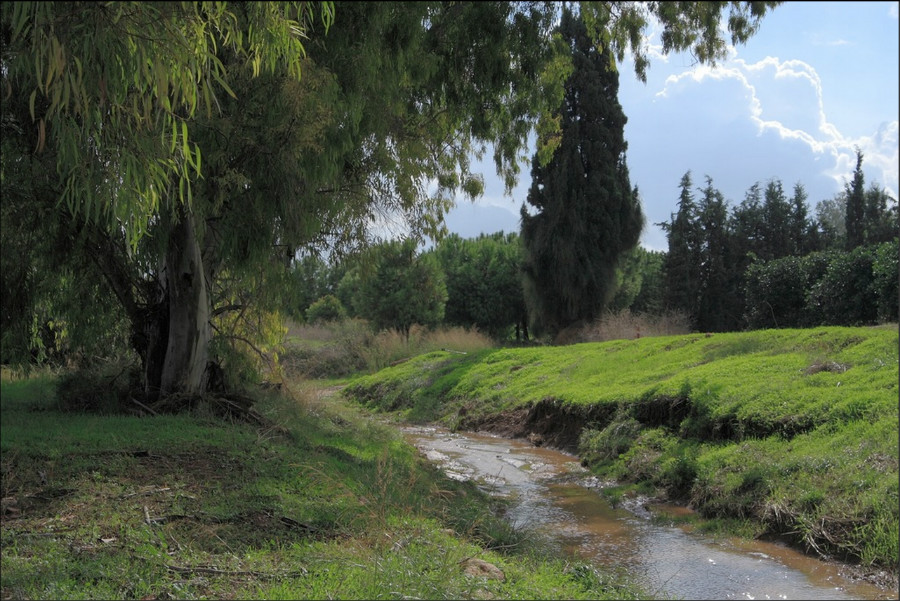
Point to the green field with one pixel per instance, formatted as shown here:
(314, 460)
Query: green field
(782, 432)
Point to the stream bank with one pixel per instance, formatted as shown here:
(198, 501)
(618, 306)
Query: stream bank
(558, 427)
(550, 493)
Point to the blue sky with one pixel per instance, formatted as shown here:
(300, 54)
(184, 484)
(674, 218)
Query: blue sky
(817, 80)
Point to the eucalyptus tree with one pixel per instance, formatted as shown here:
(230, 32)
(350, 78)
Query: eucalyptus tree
(177, 154)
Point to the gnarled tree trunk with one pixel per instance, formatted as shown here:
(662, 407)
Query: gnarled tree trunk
(187, 295)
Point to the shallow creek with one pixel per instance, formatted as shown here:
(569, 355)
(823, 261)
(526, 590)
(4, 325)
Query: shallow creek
(551, 493)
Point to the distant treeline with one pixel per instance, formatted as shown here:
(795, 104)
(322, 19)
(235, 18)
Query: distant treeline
(766, 262)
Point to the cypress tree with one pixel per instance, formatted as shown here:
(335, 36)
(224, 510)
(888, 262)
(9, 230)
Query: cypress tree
(856, 206)
(777, 241)
(586, 214)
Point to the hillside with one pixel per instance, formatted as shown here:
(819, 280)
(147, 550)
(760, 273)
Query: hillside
(792, 433)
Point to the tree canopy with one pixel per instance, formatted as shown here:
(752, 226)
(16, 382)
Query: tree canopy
(175, 156)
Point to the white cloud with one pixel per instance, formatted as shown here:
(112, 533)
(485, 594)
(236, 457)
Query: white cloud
(774, 103)
(892, 10)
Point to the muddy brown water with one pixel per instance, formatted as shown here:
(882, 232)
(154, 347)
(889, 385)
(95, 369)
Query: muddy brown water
(552, 494)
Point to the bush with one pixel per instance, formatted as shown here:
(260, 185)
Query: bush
(825, 288)
(843, 296)
(326, 309)
(885, 280)
(105, 389)
(776, 292)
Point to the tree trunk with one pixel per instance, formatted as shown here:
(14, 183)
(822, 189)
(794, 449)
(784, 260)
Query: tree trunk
(187, 349)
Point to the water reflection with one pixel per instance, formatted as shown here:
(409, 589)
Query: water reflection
(552, 493)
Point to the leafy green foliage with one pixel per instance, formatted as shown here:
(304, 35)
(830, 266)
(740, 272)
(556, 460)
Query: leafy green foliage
(89, 82)
(777, 292)
(402, 289)
(885, 269)
(483, 283)
(824, 288)
(692, 27)
(843, 296)
(327, 308)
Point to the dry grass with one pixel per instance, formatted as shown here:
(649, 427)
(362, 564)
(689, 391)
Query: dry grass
(626, 325)
(340, 349)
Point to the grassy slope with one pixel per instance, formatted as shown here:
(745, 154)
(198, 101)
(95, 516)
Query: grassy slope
(330, 506)
(794, 431)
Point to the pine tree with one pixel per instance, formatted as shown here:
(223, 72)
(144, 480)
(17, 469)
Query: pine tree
(717, 312)
(586, 213)
(776, 223)
(682, 265)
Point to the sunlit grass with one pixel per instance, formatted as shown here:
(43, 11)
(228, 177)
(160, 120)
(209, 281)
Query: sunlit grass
(796, 430)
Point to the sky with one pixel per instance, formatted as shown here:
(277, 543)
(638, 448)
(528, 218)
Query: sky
(816, 82)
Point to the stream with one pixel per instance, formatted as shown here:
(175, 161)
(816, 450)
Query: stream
(551, 493)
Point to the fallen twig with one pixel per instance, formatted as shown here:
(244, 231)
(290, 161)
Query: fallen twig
(143, 406)
(41, 534)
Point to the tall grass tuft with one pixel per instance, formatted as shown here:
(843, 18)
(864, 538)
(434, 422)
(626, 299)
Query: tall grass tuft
(339, 349)
(625, 325)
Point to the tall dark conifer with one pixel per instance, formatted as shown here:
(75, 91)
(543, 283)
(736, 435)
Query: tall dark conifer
(718, 308)
(856, 206)
(803, 232)
(777, 210)
(585, 213)
(682, 265)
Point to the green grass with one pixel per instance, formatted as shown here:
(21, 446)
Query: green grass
(794, 431)
(327, 505)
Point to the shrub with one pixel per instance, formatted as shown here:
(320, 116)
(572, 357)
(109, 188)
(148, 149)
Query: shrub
(328, 308)
(885, 279)
(777, 292)
(104, 389)
(844, 293)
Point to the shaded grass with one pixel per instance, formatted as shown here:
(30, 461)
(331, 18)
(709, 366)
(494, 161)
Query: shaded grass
(329, 505)
(793, 430)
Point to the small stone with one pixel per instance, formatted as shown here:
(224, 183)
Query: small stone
(479, 567)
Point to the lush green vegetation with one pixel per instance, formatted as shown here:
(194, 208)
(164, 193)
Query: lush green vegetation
(793, 432)
(321, 504)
